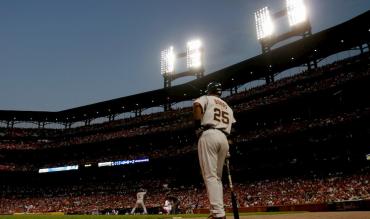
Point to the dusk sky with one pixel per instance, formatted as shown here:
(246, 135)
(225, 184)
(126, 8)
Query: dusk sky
(61, 54)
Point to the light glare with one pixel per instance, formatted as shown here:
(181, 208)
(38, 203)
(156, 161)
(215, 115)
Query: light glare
(194, 54)
(167, 61)
(297, 12)
(264, 25)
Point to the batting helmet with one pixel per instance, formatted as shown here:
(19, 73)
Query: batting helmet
(214, 88)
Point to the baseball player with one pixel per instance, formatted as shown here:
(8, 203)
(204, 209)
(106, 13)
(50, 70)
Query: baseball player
(213, 119)
(167, 206)
(140, 201)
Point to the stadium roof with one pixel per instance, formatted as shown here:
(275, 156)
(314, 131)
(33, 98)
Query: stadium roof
(342, 37)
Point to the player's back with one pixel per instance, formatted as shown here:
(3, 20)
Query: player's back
(217, 113)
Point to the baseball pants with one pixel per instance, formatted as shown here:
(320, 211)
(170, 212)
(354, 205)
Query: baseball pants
(212, 150)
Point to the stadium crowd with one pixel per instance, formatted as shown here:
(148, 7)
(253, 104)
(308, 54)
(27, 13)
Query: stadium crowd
(303, 125)
(89, 197)
(186, 146)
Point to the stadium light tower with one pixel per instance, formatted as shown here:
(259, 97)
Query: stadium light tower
(264, 29)
(299, 25)
(168, 61)
(194, 58)
(194, 54)
(297, 12)
(194, 63)
(264, 25)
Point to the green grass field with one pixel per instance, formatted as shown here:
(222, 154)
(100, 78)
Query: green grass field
(35, 216)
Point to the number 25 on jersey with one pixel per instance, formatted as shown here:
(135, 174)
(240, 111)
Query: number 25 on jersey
(221, 116)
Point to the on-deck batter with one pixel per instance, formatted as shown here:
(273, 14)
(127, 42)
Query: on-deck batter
(213, 119)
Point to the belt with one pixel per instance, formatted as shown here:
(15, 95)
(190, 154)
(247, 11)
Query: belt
(209, 127)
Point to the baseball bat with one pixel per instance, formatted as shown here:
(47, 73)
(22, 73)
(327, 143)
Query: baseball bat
(233, 195)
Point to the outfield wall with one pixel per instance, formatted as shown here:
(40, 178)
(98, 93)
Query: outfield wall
(360, 205)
